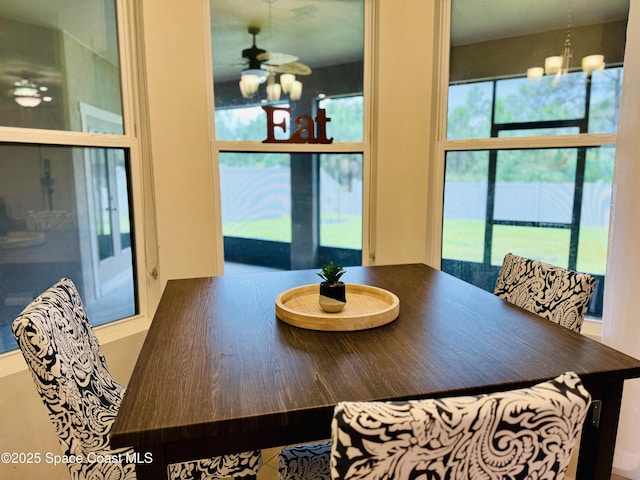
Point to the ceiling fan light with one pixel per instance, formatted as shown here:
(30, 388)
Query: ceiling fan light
(296, 90)
(552, 65)
(260, 74)
(273, 92)
(25, 88)
(249, 85)
(287, 80)
(27, 94)
(28, 101)
(592, 63)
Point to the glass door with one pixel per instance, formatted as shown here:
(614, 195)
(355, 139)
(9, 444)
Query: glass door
(108, 205)
(112, 237)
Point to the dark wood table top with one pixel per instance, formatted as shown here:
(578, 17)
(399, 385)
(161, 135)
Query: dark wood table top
(218, 365)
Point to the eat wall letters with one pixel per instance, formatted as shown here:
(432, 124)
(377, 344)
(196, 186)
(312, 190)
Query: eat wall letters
(308, 130)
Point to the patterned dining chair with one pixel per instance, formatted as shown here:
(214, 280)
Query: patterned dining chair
(305, 462)
(552, 292)
(516, 434)
(82, 398)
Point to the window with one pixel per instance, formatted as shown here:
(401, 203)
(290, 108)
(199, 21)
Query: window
(65, 192)
(341, 200)
(290, 204)
(534, 180)
(520, 107)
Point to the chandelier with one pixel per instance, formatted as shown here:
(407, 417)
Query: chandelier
(288, 85)
(559, 65)
(251, 79)
(28, 94)
(262, 67)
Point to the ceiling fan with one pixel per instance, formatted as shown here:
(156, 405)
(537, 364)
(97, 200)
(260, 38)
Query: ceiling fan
(262, 66)
(29, 90)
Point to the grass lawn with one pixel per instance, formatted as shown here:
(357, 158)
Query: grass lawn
(276, 229)
(344, 231)
(464, 240)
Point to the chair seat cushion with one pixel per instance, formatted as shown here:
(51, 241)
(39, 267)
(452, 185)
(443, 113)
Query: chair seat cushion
(308, 462)
(232, 465)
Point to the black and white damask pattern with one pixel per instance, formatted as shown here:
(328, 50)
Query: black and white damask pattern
(245, 464)
(71, 376)
(528, 433)
(555, 293)
(305, 462)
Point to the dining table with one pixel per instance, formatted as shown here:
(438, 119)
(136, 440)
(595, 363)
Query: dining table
(219, 372)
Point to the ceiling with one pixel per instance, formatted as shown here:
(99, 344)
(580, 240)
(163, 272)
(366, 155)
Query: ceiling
(300, 26)
(320, 32)
(296, 27)
(25, 56)
(481, 20)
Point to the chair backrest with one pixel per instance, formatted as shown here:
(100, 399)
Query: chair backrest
(526, 433)
(552, 292)
(43, 220)
(68, 368)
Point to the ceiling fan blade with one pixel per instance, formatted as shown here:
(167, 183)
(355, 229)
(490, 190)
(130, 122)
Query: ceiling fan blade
(263, 57)
(273, 61)
(275, 58)
(296, 68)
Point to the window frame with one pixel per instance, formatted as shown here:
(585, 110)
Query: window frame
(363, 147)
(443, 145)
(128, 22)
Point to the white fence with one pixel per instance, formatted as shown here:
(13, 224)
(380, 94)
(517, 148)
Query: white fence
(535, 202)
(252, 193)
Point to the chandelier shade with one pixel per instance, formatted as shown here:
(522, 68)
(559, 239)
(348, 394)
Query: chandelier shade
(296, 90)
(592, 63)
(286, 80)
(251, 79)
(552, 65)
(273, 92)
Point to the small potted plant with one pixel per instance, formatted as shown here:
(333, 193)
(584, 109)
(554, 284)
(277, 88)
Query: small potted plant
(332, 291)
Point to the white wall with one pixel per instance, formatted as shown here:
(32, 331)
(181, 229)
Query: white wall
(25, 425)
(175, 35)
(403, 133)
(621, 327)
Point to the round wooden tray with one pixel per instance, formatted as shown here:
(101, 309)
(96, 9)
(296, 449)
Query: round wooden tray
(367, 307)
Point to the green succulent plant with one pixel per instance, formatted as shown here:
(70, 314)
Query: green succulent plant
(331, 273)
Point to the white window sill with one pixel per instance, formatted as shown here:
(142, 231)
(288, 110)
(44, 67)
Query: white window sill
(592, 329)
(13, 362)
